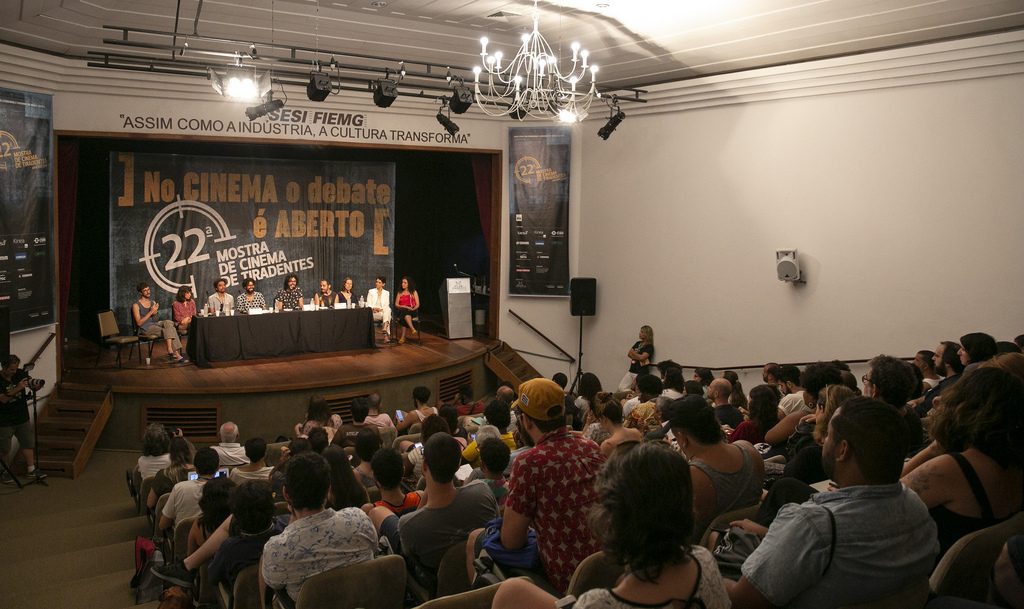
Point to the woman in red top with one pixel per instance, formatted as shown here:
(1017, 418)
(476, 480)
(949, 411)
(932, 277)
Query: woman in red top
(764, 414)
(407, 302)
(183, 309)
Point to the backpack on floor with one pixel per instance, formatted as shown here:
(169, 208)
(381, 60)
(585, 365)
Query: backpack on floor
(147, 585)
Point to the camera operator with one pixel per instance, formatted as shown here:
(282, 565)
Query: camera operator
(14, 420)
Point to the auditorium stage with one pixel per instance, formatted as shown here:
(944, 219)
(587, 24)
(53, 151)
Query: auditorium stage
(267, 397)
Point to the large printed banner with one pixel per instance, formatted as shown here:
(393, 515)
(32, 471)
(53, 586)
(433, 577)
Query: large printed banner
(539, 211)
(188, 220)
(26, 204)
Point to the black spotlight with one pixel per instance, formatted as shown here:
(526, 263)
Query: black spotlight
(319, 86)
(461, 99)
(447, 123)
(264, 109)
(385, 93)
(612, 123)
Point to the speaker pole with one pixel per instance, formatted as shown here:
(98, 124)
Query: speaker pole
(579, 360)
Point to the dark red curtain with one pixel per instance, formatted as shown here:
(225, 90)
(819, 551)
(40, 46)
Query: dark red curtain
(482, 182)
(67, 195)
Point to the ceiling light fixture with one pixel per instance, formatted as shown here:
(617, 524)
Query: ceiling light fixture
(385, 92)
(446, 121)
(319, 86)
(616, 116)
(461, 98)
(240, 82)
(260, 110)
(532, 83)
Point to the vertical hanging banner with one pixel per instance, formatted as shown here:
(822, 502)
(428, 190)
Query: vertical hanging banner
(188, 220)
(539, 211)
(26, 203)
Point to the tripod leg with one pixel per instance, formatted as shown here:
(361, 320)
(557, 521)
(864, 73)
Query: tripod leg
(5, 469)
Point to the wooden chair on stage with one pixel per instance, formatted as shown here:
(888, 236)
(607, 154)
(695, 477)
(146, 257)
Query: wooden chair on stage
(111, 334)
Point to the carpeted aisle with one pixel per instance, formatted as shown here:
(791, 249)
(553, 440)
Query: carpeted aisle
(70, 544)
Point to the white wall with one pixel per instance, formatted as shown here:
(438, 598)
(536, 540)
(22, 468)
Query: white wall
(899, 176)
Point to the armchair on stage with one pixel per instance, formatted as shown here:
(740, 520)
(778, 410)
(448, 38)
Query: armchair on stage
(457, 307)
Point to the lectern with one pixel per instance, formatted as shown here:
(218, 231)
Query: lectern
(457, 307)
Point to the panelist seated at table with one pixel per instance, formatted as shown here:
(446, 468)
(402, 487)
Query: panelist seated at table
(289, 297)
(144, 313)
(183, 309)
(407, 303)
(220, 301)
(345, 295)
(379, 301)
(249, 298)
(324, 298)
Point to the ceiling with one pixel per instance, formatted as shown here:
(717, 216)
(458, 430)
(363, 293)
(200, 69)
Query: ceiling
(637, 43)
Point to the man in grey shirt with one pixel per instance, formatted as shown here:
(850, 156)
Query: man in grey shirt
(449, 514)
(868, 539)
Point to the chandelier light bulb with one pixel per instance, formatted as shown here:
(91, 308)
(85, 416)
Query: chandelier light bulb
(525, 38)
(584, 54)
(575, 50)
(497, 59)
(483, 45)
(476, 73)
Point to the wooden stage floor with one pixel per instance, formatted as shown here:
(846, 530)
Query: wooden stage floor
(310, 371)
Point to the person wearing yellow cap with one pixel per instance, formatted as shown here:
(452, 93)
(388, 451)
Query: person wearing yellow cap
(550, 486)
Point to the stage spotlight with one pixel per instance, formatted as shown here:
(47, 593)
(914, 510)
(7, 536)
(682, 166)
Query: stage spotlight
(447, 123)
(613, 122)
(461, 99)
(385, 93)
(264, 109)
(240, 83)
(319, 86)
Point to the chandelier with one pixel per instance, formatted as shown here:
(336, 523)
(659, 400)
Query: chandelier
(533, 84)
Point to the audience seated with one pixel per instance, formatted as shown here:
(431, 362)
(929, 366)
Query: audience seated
(704, 376)
(643, 417)
(725, 476)
(345, 491)
(213, 508)
(646, 529)
(156, 450)
(949, 366)
(184, 500)
(589, 387)
(805, 462)
(494, 460)
(764, 414)
(318, 439)
(465, 405)
(867, 539)
(892, 381)
(446, 517)
(718, 392)
(376, 417)
(673, 385)
(595, 432)
(451, 416)
(252, 508)
(295, 448)
(421, 409)
(736, 396)
(367, 444)
(813, 379)
(181, 451)
(413, 453)
(230, 452)
(318, 538)
(256, 468)
(318, 414)
(388, 469)
(497, 414)
(551, 486)
(611, 421)
(974, 478)
(977, 348)
(346, 435)
(792, 400)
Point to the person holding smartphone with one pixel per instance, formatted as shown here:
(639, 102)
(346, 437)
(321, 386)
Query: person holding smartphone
(422, 410)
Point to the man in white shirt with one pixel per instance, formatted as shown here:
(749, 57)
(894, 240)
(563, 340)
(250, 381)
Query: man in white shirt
(231, 453)
(793, 393)
(184, 500)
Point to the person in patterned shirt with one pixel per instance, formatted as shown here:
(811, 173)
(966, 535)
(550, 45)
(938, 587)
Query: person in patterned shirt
(289, 297)
(316, 539)
(551, 486)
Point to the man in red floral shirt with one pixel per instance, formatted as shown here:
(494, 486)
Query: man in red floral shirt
(551, 486)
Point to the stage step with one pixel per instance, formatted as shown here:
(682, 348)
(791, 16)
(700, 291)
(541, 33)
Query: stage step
(506, 363)
(69, 427)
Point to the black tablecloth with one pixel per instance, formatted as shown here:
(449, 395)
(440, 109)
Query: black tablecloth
(219, 339)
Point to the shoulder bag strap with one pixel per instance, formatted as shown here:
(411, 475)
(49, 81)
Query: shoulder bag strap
(832, 546)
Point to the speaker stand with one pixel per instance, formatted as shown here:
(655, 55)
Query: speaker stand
(579, 360)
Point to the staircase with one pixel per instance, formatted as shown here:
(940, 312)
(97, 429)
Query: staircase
(69, 427)
(506, 363)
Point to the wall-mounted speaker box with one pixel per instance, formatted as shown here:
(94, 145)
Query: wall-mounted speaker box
(583, 296)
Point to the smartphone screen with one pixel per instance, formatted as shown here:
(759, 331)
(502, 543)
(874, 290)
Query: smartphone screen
(400, 416)
(473, 436)
(193, 475)
(419, 446)
(222, 472)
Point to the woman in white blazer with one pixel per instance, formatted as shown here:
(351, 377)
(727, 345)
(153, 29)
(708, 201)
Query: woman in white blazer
(379, 300)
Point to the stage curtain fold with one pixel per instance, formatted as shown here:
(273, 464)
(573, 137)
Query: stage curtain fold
(482, 182)
(67, 195)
